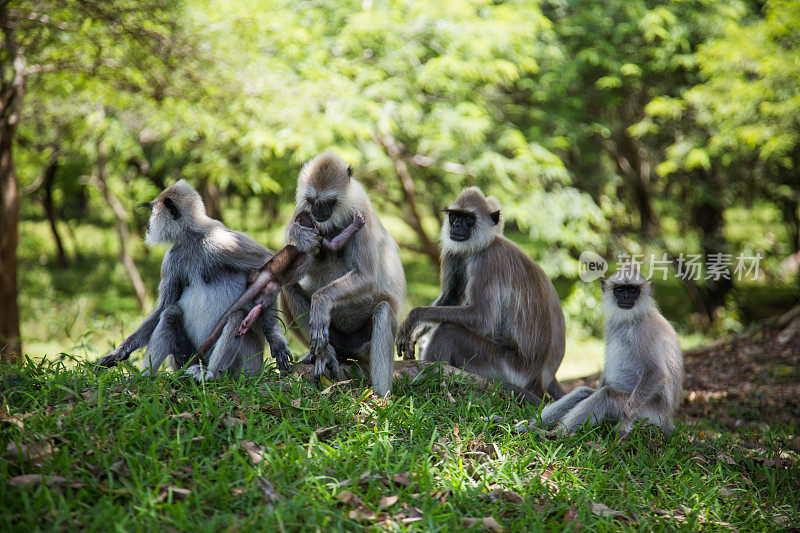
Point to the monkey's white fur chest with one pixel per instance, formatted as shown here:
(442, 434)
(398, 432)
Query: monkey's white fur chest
(623, 366)
(203, 304)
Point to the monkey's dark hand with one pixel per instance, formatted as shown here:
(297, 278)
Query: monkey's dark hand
(284, 360)
(405, 337)
(306, 239)
(110, 359)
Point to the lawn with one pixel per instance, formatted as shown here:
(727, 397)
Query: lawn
(119, 451)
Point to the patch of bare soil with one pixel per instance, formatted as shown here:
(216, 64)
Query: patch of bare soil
(741, 383)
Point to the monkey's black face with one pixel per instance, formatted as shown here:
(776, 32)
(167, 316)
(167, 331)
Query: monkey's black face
(626, 295)
(321, 209)
(461, 224)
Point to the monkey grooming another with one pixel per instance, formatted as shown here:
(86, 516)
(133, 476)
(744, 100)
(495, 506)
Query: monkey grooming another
(204, 271)
(643, 374)
(347, 304)
(498, 314)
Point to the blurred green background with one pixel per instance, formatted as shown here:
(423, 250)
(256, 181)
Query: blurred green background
(619, 127)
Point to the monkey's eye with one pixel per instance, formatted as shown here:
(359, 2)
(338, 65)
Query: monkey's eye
(310, 200)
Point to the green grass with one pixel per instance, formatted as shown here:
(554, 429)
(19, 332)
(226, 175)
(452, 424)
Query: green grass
(118, 442)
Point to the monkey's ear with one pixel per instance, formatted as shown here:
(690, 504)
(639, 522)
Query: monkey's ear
(349, 171)
(495, 216)
(603, 285)
(172, 208)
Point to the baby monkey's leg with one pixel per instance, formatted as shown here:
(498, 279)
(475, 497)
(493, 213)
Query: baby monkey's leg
(340, 240)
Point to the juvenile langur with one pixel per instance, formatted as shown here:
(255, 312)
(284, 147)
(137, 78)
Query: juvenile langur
(347, 304)
(287, 266)
(643, 375)
(203, 272)
(498, 315)
(289, 269)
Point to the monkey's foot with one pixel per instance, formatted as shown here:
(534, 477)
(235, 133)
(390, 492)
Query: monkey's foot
(326, 361)
(249, 320)
(201, 374)
(624, 427)
(284, 360)
(307, 359)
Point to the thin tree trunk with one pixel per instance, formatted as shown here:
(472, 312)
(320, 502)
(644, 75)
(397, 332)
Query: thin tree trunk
(122, 228)
(392, 148)
(49, 209)
(634, 167)
(76, 252)
(12, 93)
(211, 198)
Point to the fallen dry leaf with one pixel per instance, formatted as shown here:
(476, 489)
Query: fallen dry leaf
(268, 490)
(177, 493)
(441, 495)
(34, 480)
(253, 451)
(90, 396)
(120, 468)
(362, 514)
(183, 416)
(34, 451)
(601, 509)
(499, 494)
(327, 390)
(387, 501)
(326, 433)
(15, 420)
(725, 458)
(231, 421)
(488, 523)
(570, 517)
(403, 479)
(596, 446)
(348, 498)
(296, 402)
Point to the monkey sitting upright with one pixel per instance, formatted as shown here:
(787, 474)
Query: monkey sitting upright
(643, 375)
(347, 303)
(204, 271)
(498, 314)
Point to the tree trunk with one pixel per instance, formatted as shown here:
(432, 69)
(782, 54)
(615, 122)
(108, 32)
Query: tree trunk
(49, 209)
(709, 217)
(12, 93)
(211, 198)
(392, 148)
(122, 228)
(636, 170)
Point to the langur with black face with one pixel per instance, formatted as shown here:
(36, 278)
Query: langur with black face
(643, 375)
(498, 314)
(203, 272)
(346, 306)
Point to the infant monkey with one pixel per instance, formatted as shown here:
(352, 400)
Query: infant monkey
(643, 374)
(334, 245)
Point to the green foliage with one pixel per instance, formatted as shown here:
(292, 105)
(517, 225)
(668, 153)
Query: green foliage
(614, 126)
(275, 452)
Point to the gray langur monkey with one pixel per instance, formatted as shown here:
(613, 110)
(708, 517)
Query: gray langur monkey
(346, 306)
(643, 374)
(203, 272)
(498, 314)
